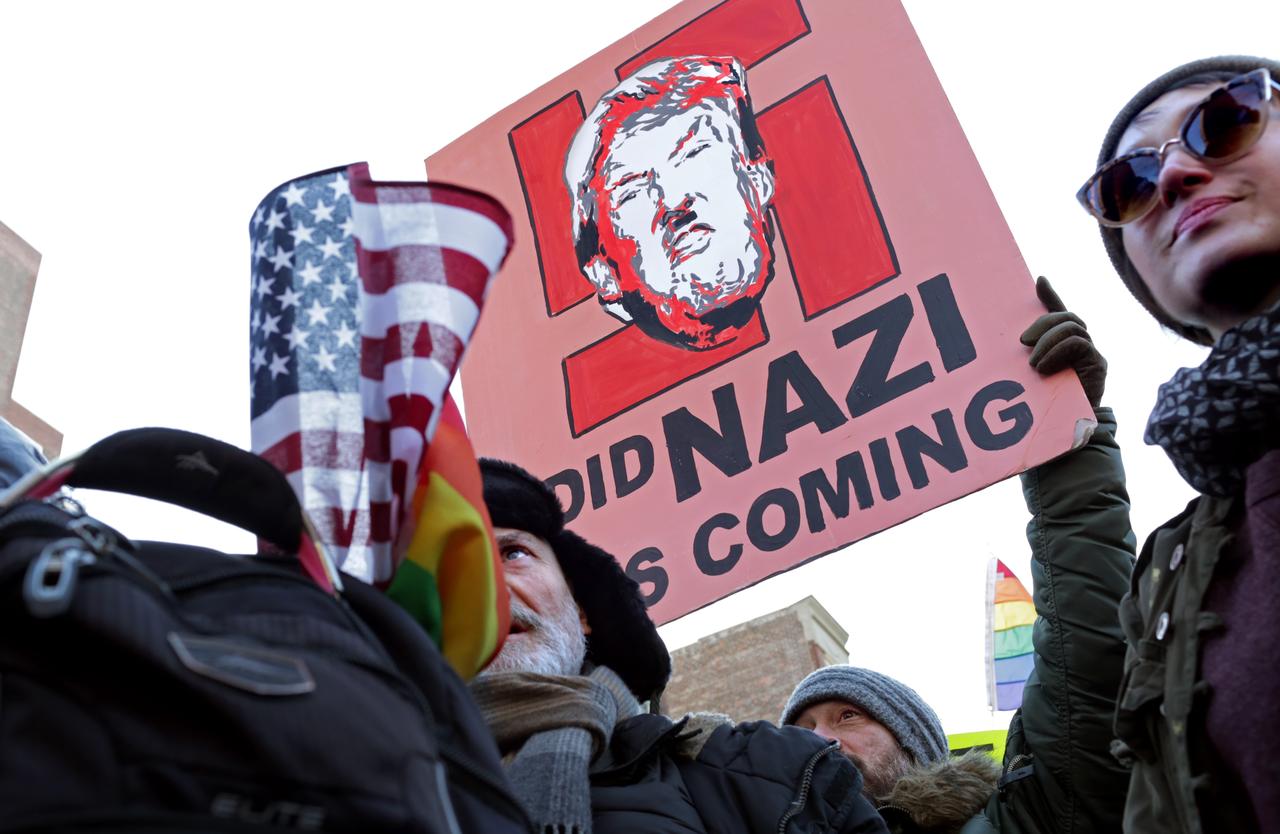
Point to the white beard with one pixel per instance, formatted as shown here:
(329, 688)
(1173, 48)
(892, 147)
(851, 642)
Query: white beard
(551, 645)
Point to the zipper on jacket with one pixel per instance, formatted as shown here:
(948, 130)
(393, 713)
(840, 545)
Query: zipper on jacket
(1020, 767)
(1016, 762)
(806, 782)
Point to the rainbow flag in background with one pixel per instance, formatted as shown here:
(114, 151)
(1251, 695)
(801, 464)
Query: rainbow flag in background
(451, 578)
(1010, 615)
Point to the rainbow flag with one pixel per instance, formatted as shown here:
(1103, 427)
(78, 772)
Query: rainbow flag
(451, 580)
(1010, 658)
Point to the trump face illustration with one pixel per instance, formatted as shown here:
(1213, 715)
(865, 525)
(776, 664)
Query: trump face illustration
(670, 186)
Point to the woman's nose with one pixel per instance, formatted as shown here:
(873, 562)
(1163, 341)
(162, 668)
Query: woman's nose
(1181, 174)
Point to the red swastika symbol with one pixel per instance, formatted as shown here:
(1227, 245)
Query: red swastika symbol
(749, 30)
(837, 245)
(542, 140)
(627, 367)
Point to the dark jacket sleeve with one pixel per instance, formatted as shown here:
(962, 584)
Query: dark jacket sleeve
(1059, 773)
(756, 778)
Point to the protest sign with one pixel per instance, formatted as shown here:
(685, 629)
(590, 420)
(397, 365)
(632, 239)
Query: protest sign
(762, 302)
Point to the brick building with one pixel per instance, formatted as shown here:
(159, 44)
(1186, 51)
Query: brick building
(19, 263)
(748, 671)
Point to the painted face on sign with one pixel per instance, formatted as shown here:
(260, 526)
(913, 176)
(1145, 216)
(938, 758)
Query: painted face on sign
(687, 213)
(671, 188)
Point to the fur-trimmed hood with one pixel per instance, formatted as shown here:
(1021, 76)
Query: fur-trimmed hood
(940, 798)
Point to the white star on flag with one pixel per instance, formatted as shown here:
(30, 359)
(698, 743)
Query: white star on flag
(324, 359)
(309, 274)
(279, 365)
(345, 335)
(331, 248)
(289, 298)
(318, 313)
(282, 258)
(297, 337)
(301, 234)
(270, 324)
(337, 289)
(292, 195)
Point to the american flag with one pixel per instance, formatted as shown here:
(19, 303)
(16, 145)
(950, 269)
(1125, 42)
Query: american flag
(364, 296)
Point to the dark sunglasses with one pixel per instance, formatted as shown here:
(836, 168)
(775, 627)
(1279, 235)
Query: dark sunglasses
(1217, 130)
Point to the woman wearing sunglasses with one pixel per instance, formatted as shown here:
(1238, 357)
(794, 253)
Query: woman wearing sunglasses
(1188, 197)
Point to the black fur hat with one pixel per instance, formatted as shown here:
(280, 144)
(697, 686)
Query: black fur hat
(622, 635)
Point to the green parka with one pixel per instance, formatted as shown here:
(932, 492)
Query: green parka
(1059, 776)
(1160, 710)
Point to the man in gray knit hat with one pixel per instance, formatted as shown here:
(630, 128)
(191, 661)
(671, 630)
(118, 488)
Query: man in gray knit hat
(1058, 774)
(897, 728)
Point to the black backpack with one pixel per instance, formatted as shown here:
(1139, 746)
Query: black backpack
(161, 687)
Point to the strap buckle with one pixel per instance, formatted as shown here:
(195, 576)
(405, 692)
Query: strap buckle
(50, 582)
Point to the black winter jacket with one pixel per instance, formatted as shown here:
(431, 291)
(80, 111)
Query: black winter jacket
(699, 776)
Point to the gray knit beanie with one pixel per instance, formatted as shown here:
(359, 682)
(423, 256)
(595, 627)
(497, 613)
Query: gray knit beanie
(894, 704)
(1111, 238)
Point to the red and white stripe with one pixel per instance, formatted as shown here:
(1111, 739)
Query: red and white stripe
(424, 256)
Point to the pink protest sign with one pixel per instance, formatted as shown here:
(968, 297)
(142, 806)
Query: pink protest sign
(762, 303)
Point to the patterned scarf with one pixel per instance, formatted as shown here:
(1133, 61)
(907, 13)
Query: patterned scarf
(549, 728)
(1215, 420)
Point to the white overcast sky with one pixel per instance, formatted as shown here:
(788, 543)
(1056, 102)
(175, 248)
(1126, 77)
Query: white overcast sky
(136, 139)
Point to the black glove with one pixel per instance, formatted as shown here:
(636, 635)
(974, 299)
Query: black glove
(1059, 340)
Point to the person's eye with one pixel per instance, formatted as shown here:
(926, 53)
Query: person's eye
(849, 714)
(512, 553)
(695, 151)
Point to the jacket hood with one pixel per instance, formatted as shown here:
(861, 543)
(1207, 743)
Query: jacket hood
(940, 798)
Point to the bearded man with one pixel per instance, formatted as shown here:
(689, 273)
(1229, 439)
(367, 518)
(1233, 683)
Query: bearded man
(564, 702)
